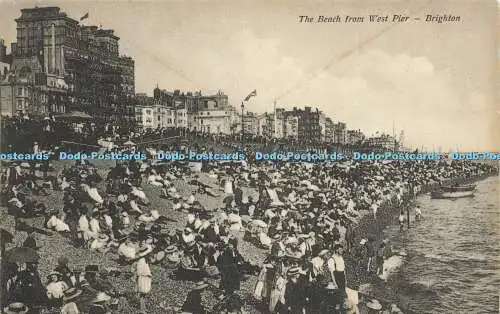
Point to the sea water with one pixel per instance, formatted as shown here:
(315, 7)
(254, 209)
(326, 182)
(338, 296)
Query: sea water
(452, 263)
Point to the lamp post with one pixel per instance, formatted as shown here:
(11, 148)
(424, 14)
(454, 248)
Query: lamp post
(242, 125)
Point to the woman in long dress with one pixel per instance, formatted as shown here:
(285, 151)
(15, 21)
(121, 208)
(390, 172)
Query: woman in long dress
(228, 186)
(143, 278)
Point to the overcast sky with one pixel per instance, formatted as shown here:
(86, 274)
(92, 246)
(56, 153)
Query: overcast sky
(435, 81)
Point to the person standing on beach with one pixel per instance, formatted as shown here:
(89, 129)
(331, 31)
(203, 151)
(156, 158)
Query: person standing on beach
(360, 255)
(380, 259)
(370, 252)
(143, 278)
(336, 265)
(401, 220)
(374, 208)
(418, 213)
(349, 237)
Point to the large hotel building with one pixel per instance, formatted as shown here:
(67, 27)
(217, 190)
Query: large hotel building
(58, 65)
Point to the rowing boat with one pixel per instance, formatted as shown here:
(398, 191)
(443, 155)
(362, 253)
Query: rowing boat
(457, 194)
(459, 188)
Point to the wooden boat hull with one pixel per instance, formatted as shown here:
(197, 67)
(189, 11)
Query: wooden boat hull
(462, 188)
(451, 195)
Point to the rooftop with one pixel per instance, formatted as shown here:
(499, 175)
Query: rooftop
(37, 13)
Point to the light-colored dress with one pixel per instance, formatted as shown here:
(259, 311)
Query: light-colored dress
(143, 276)
(94, 194)
(84, 228)
(277, 294)
(228, 187)
(57, 224)
(127, 251)
(70, 308)
(55, 290)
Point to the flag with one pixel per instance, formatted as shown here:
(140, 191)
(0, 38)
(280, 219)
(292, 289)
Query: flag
(86, 16)
(252, 94)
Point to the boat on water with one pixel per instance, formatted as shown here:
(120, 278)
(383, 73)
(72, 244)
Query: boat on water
(458, 188)
(453, 194)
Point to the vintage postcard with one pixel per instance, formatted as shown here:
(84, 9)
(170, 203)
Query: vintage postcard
(298, 156)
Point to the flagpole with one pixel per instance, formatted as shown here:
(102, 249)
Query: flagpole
(393, 136)
(275, 121)
(242, 125)
(252, 94)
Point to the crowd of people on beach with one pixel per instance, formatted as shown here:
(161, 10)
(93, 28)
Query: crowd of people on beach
(304, 216)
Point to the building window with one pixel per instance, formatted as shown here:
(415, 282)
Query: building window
(19, 91)
(148, 112)
(159, 118)
(19, 104)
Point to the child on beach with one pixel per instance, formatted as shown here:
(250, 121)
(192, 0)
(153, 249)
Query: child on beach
(380, 259)
(401, 221)
(370, 252)
(418, 213)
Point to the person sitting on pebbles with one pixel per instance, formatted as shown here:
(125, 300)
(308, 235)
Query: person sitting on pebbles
(66, 274)
(133, 205)
(125, 219)
(373, 307)
(55, 289)
(155, 179)
(101, 243)
(193, 302)
(100, 304)
(139, 193)
(172, 255)
(70, 299)
(127, 251)
(92, 192)
(152, 216)
(97, 282)
(85, 235)
(171, 192)
(56, 222)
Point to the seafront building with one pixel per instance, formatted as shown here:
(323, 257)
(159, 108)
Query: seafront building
(57, 65)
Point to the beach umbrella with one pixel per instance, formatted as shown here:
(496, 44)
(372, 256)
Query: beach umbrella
(23, 255)
(129, 143)
(6, 236)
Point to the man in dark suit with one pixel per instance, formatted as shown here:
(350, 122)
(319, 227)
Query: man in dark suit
(30, 240)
